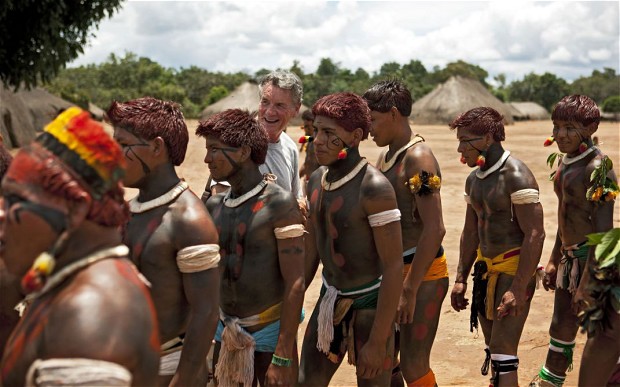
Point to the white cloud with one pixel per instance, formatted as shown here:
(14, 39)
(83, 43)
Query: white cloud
(569, 39)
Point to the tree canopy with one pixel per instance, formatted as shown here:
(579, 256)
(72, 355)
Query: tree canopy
(40, 36)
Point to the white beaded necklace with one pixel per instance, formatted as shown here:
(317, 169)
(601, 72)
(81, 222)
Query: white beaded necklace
(570, 160)
(483, 174)
(137, 207)
(236, 202)
(331, 186)
(385, 166)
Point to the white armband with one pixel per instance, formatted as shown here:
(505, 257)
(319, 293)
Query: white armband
(292, 231)
(382, 218)
(524, 196)
(198, 258)
(467, 198)
(77, 372)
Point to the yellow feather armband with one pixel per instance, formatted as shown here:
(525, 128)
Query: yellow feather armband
(424, 183)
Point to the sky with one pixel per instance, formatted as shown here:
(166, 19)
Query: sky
(567, 38)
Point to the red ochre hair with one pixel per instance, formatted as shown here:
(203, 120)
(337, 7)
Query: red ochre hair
(480, 121)
(349, 110)
(577, 108)
(74, 160)
(148, 118)
(236, 127)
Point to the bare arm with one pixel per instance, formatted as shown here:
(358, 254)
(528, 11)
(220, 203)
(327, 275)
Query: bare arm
(429, 208)
(467, 255)
(291, 260)
(192, 226)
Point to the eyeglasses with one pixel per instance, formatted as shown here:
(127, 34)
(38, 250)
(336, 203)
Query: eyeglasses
(470, 140)
(13, 205)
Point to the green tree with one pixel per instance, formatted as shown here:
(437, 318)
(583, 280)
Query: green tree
(462, 69)
(40, 36)
(598, 86)
(216, 93)
(612, 104)
(546, 89)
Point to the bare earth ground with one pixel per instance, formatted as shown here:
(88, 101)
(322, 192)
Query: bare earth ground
(458, 354)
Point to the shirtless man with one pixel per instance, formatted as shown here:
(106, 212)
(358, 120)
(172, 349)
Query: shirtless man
(413, 171)
(88, 318)
(280, 92)
(575, 119)
(355, 232)
(503, 234)
(172, 238)
(262, 248)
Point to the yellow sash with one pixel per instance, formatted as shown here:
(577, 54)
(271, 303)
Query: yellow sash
(438, 269)
(495, 266)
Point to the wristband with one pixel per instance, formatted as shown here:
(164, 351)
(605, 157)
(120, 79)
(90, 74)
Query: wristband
(280, 361)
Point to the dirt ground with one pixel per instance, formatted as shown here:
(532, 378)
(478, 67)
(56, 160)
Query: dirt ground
(458, 354)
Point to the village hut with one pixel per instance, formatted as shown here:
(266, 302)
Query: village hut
(457, 95)
(245, 96)
(529, 111)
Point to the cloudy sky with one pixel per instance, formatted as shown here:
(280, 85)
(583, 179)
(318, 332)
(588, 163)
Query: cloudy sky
(567, 38)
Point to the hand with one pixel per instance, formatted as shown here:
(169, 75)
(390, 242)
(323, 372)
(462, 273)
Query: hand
(512, 304)
(550, 276)
(279, 376)
(303, 208)
(372, 360)
(457, 297)
(406, 306)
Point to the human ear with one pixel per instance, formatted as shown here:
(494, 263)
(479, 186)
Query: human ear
(159, 145)
(246, 152)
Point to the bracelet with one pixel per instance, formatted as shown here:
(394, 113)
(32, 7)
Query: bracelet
(280, 361)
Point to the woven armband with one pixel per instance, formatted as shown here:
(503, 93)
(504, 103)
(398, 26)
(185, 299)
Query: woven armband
(77, 372)
(525, 196)
(467, 198)
(382, 218)
(280, 361)
(292, 231)
(198, 258)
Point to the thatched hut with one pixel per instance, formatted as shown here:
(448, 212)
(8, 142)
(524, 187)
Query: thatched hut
(457, 95)
(245, 96)
(23, 114)
(529, 111)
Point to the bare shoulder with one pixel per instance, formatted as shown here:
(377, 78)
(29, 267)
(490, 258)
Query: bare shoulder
(105, 300)
(420, 158)
(375, 185)
(281, 203)
(191, 222)
(470, 180)
(518, 175)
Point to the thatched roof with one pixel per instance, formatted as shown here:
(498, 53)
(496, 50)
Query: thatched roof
(245, 96)
(457, 95)
(529, 111)
(23, 114)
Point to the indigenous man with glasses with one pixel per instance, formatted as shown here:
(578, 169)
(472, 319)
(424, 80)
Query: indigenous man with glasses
(502, 238)
(262, 247)
(87, 318)
(172, 238)
(413, 171)
(355, 233)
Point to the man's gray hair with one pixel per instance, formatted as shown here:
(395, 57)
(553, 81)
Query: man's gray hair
(284, 79)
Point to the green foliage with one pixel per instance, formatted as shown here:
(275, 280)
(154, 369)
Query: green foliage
(40, 37)
(598, 86)
(551, 160)
(546, 89)
(612, 104)
(462, 69)
(216, 93)
(607, 252)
